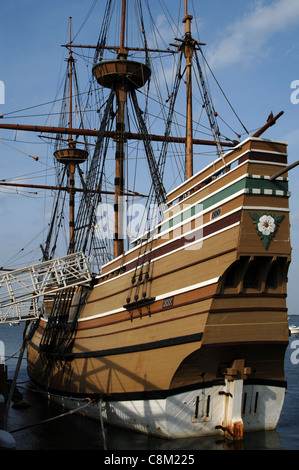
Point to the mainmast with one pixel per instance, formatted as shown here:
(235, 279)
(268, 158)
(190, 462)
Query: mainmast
(71, 166)
(121, 100)
(189, 45)
(122, 76)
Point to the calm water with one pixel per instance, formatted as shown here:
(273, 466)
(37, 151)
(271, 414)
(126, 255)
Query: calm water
(78, 433)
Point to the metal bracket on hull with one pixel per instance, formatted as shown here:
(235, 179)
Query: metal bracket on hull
(138, 304)
(232, 424)
(21, 289)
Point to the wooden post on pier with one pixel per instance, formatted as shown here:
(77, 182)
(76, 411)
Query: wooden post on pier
(13, 385)
(3, 392)
(7, 441)
(102, 425)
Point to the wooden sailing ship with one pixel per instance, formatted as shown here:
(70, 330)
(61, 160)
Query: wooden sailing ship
(184, 333)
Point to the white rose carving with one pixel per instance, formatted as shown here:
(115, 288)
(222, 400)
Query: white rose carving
(266, 225)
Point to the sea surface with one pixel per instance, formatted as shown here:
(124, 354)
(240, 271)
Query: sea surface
(44, 426)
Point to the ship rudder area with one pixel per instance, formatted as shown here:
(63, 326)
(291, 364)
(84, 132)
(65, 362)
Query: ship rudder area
(240, 388)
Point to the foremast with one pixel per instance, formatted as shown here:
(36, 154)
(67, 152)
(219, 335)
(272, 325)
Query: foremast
(71, 156)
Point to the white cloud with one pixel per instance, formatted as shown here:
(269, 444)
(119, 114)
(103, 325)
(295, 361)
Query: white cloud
(247, 37)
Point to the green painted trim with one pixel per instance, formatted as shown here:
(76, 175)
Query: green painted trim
(250, 183)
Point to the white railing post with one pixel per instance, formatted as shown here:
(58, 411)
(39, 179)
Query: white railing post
(20, 289)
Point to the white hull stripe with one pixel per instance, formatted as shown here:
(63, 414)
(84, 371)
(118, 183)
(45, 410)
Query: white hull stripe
(230, 163)
(191, 245)
(248, 184)
(159, 297)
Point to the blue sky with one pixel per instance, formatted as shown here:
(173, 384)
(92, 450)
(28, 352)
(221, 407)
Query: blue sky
(252, 47)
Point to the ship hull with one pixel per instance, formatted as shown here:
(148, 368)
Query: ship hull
(185, 334)
(195, 413)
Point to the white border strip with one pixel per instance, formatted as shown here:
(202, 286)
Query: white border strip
(259, 208)
(230, 163)
(197, 203)
(187, 234)
(214, 206)
(211, 208)
(159, 297)
(265, 208)
(222, 176)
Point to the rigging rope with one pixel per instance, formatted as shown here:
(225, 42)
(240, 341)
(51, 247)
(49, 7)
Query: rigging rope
(209, 108)
(103, 33)
(230, 105)
(85, 20)
(86, 213)
(163, 153)
(160, 192)
(91, 402)
(17, 150)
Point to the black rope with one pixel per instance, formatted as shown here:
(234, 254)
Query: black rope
(160, 192)
(230, 105)
(53, 418)
(103, 33)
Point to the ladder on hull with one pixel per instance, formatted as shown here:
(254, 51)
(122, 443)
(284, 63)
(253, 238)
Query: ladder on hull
(21, 290)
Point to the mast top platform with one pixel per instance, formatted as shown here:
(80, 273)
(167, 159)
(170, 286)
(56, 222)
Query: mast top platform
(128, 73)
(71, 155)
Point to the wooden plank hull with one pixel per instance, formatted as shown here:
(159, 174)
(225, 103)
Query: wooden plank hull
(180, 334)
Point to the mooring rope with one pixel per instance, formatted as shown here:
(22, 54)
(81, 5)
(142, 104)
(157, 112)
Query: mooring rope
(54, 417)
